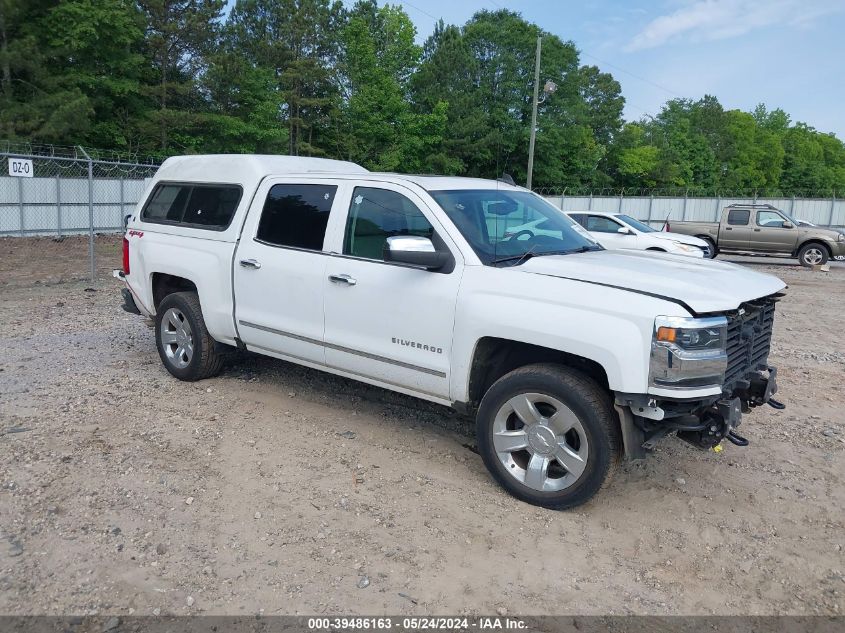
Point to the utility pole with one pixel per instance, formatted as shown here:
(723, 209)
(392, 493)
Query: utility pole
(534, 113)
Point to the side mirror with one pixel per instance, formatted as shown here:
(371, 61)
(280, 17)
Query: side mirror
(787, 224)
(411, 250)
(126, 219)
(624, 230)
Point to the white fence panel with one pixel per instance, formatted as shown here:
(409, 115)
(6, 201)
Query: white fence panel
(820, 211)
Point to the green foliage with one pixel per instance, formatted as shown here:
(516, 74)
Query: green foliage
(382, 131)
(312, 77)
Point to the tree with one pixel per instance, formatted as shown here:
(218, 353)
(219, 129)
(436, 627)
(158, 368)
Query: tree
(447, 74)
(381, 130)
(244, 114)
(69, 70)
(602, 95)
(179, 35)
(297, 41)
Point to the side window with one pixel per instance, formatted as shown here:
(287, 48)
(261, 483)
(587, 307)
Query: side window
(166, 204)
(738, 217)
(580, 218)
(601, 224)
(203, 206)
(375, 215)
(770, 218)
(212, 206)
(296, 216)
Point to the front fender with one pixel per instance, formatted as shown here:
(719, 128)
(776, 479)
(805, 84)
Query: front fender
(609, 326)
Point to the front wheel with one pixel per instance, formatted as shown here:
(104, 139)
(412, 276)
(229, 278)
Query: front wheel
(184, 344)
(813, 255)
(548, 435)
(711, 251)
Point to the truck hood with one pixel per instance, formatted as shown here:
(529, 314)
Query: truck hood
(702, 285)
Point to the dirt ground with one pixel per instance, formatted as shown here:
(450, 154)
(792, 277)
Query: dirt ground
(279, 490)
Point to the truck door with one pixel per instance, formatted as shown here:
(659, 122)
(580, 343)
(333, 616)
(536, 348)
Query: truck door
(770, 236)
(388, 322)
(735, 231)
(280, 266)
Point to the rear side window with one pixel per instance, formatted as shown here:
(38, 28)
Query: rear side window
(738, 217)
(204, 206)
(375, 215)
(296, 216)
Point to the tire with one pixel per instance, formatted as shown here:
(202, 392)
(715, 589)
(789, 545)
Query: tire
(513, 456)
(711, 254)
(184, 345)
(813, 254)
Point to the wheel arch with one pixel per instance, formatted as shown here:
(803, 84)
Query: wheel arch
(494, 357)
(163, 284)
(817, 242)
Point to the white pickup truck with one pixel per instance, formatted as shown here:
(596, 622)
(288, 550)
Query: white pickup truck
(568, 355)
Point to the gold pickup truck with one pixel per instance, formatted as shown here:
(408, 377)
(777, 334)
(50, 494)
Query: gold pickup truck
(754, 228)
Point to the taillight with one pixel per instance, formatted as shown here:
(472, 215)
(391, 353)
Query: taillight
(125, 256)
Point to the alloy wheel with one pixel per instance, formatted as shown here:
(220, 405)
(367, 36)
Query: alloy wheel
(177, 338)
(540, 441)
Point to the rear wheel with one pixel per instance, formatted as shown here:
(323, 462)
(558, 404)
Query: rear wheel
(548, 436)
(813, 254)
(184, 344)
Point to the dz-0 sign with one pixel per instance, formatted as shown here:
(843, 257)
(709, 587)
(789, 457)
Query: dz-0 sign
(20, 167)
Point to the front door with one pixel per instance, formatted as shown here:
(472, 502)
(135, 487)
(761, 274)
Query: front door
(280, 267)
(770, 236)
(389, 322)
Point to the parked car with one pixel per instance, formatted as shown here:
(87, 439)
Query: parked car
(618, 230)
(568, 355)
(765, 229)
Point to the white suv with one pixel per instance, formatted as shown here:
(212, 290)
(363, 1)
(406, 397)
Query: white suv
(568, 355)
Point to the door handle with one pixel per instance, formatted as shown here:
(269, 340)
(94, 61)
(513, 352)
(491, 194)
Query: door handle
(343, 279)
(727, 228)
(251, 263)
(756, 230)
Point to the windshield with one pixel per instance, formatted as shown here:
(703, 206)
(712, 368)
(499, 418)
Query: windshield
(511, 225)
(640, 226)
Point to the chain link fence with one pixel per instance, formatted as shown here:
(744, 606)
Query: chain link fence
(61, 213)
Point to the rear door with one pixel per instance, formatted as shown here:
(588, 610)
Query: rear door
(384, 321)
(280, 267)
(735, 230)
(770, 236)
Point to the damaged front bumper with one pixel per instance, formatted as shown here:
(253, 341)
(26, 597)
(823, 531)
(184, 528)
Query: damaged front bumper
(704, 423)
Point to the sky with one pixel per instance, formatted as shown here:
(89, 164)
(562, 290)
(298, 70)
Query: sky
(784, 53)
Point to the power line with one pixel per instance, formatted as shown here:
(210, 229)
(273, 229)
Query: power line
(622, 70)
(423, 11)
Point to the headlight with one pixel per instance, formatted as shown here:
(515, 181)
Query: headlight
(840, 237)
(688, 352)
(685, 247)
